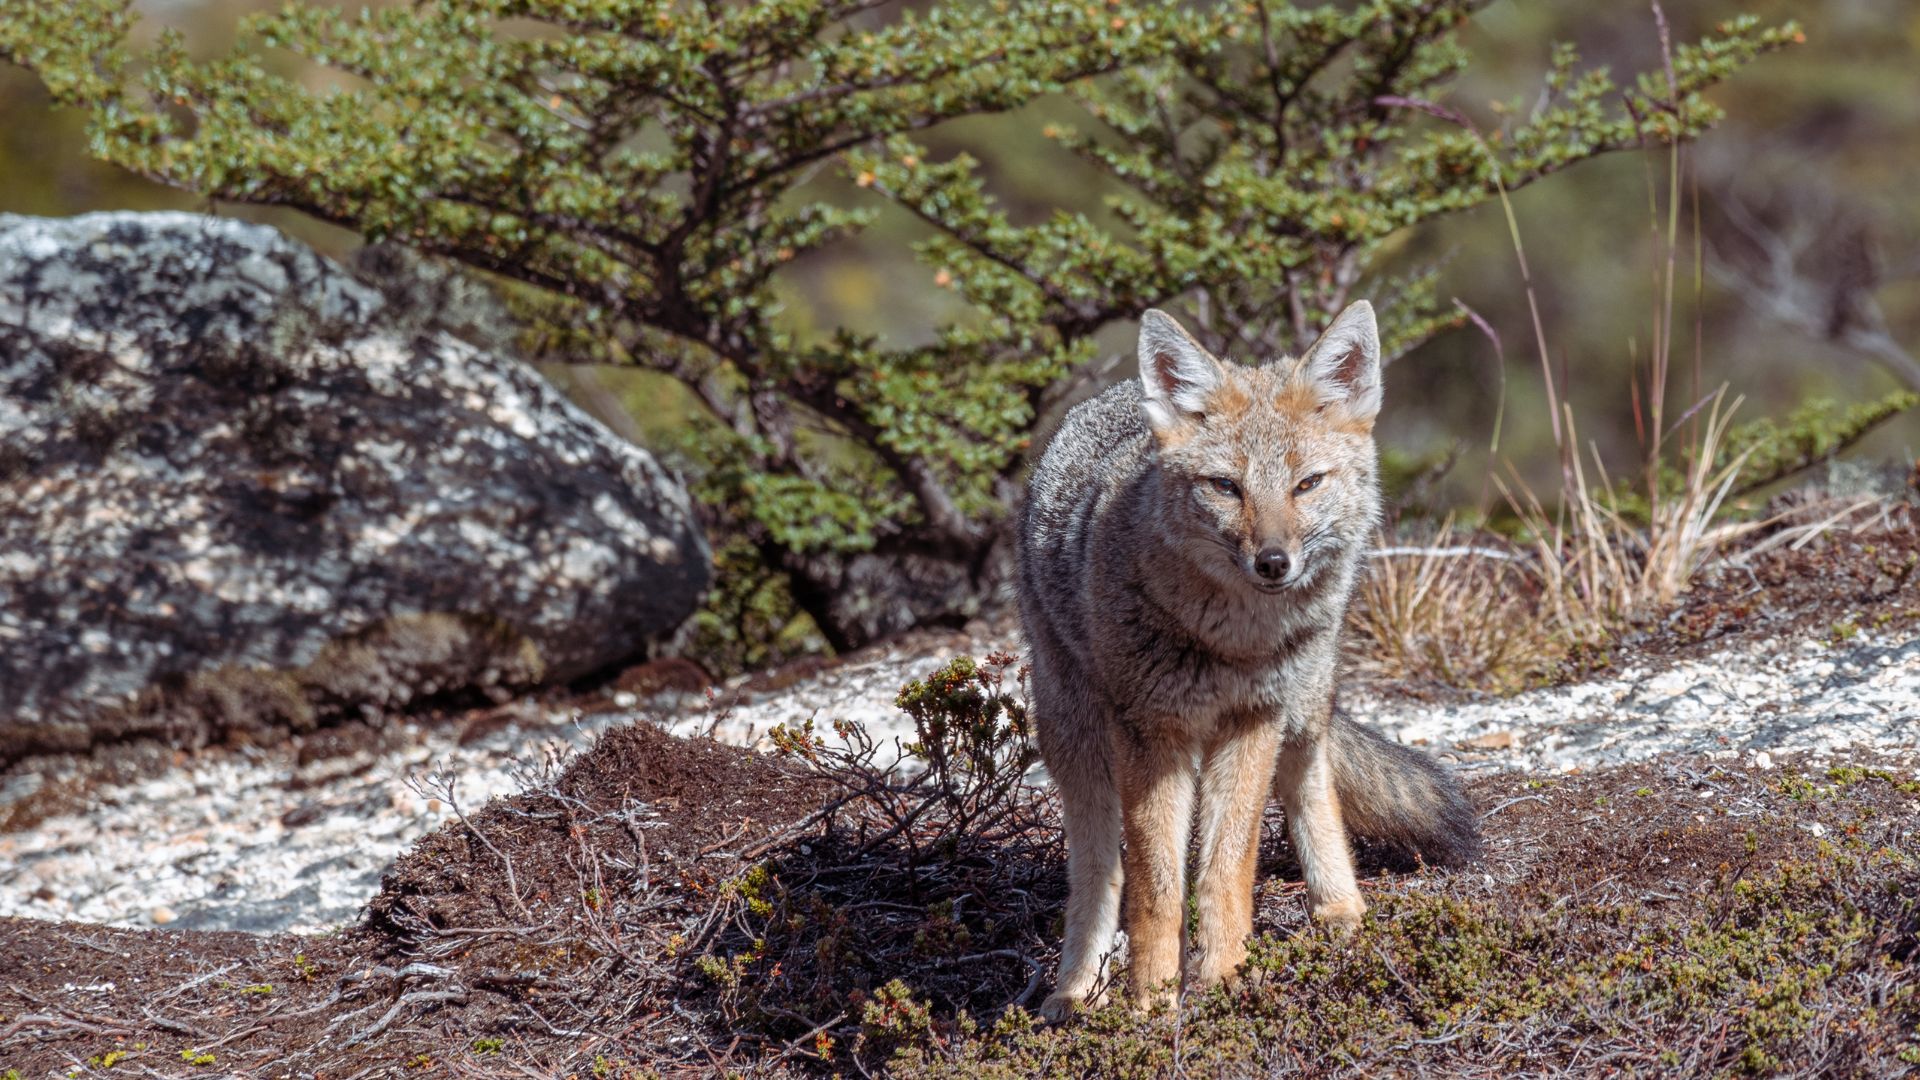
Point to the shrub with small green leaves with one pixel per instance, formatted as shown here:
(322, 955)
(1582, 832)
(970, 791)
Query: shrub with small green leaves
(640, 176)
(1439, 985)
(890, 1019)
(1264, 163)
(1816, 431)
(971, 734)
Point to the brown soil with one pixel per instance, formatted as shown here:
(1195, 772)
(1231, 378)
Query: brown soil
(463, 936)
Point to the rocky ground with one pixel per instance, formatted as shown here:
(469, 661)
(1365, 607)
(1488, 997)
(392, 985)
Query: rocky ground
(1810, 654)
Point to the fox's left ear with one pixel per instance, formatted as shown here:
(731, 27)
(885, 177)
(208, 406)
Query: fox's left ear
(1344, 365)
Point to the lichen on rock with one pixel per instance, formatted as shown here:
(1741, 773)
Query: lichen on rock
(237, 481)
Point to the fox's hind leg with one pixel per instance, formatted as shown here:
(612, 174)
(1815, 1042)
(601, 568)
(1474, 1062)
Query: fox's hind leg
(1305, 782)
(1074, 742)
(1235, 775)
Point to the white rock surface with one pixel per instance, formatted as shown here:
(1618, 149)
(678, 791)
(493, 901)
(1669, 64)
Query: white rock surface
(220, 842)
(1859, 695)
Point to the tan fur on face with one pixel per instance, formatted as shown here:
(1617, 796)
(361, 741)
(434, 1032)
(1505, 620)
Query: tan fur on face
(1296, 400)
(1230, 402)
(1275, 432)
(1358, 427)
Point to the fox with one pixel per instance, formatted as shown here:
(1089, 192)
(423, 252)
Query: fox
(1186, 554)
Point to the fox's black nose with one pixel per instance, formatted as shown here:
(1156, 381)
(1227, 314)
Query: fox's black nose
(1271, 564)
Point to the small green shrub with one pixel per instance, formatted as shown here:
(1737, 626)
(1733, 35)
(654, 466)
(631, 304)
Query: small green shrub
(926, 891)
(891, 1019)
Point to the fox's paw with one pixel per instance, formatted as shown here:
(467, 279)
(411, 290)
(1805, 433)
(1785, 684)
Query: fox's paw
(1166, 995)
(1340, 917)
(1060, 1006)
(1216, 966)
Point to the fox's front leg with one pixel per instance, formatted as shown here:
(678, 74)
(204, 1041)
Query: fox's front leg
(1305, 783)
(1156, 798)
(1235, 775)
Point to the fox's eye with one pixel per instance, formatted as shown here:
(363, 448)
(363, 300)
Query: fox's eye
(1308, 484)
(1225, 486)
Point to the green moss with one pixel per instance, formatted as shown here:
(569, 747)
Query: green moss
(303, 968)
(1797, 787)
(614, 1068)
(1847, 775)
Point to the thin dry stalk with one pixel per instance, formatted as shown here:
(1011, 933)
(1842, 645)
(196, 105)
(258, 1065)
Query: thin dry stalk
(1601, 570)
(1597, 569)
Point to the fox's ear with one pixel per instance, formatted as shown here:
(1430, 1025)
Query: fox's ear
(1178, 374)
(1344, 365)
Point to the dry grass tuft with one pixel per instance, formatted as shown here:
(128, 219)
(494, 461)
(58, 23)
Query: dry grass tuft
(1607, 555)
(1488, 615)
(1462, 616)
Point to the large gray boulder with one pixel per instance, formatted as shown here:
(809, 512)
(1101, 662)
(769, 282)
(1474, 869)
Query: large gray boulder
(242, 490)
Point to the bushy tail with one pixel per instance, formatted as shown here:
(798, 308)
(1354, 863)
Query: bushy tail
(1399, 795)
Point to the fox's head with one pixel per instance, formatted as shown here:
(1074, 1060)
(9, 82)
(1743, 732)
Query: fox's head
(1270, 472)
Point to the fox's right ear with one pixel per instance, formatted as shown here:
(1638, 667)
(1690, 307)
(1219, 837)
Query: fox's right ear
(1178, 374)
(1344, 365)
